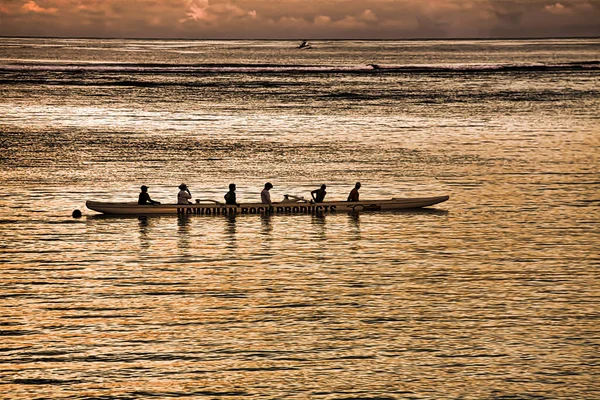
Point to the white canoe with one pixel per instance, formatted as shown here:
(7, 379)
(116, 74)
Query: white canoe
(215, 208)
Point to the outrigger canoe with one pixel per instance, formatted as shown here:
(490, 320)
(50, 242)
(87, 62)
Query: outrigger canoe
(212, 207)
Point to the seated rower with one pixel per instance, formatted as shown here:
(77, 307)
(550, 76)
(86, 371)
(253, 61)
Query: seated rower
(354, 195)
(318, 195)
(265, 196)
(145, 197)
(230, 197)
(184, 195)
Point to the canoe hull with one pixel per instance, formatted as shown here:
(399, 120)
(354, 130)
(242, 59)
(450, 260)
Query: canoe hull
(259, 208)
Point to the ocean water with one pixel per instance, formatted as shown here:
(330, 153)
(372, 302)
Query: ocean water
(491, 295)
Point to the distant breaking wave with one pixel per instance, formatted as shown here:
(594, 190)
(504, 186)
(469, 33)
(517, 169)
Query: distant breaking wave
(275, 69)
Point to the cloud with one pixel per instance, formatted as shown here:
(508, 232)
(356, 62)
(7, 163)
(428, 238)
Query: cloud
(198, 10)
(33, 7)
(347, 22)
(202, 10)
(558, 9)
(322, 20)
(310, 19)
(368, 16)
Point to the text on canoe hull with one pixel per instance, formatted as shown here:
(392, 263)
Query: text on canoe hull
(255, 210)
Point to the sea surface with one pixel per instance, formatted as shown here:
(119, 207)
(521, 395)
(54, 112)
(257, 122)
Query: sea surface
(494, 294)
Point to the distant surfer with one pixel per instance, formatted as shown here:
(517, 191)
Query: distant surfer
(353, 196)
(304, 45)
(145, 197)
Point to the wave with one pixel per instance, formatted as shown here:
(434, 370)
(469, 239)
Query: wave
(280, 68)
(579, 65)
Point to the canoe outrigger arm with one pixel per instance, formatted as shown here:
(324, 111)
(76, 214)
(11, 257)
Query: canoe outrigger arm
(300, 199)
(199, 201)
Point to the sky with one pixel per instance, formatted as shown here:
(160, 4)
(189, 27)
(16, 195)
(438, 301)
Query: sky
(300, 19)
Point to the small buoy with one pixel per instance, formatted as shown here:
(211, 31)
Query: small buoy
(76, 214)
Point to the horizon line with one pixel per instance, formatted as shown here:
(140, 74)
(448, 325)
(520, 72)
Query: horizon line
(308, 39)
